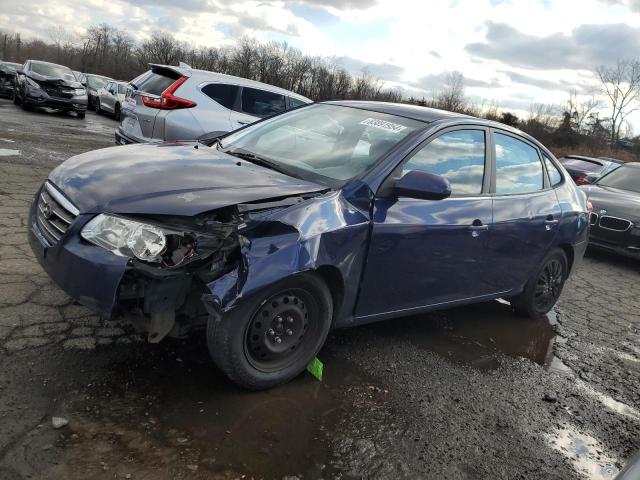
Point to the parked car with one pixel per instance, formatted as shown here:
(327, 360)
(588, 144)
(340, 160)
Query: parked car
(44, 84)
(615, 219)
(8, 78)
(586, 170)
(331, 215)
(93, 83)
(110, 98)
(180, 103)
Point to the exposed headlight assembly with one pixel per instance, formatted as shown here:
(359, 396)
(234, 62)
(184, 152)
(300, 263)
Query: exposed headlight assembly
(126, 237)
(80, 91)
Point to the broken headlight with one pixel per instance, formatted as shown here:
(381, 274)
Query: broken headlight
(126, 237)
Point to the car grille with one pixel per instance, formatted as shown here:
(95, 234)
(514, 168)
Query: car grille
(614, 223)
(57, 92)
(54, 215)
(593, 218)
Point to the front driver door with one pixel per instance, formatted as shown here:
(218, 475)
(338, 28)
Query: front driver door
(430, 252)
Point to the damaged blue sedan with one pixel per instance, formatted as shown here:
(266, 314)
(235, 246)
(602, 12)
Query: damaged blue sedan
(331, 215)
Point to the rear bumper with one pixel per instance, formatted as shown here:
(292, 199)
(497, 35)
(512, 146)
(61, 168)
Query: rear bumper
(122, 139)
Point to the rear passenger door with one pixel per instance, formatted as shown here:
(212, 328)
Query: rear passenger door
(526, 212)
(256, 104)
(225, 97)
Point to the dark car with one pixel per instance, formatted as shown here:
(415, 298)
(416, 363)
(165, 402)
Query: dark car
(332, 215)
(93, 84)
(8, 78)
(43, 84)
(615, 219)
(585, 170)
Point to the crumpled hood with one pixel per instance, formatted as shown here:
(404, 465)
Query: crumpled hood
(617, 203)
(168, 179)
(54, 81)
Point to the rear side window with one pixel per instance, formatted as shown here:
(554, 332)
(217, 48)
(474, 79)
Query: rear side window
(458, 156)
(222, 93)
(518, 167)
(261, 103)
(122, 88)
(155, 84)
(555, 177)
(296, 103)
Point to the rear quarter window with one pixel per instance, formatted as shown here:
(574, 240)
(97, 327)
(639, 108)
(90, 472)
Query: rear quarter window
(555, 177)
(222, 93)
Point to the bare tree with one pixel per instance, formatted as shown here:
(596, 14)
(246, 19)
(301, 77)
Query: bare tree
(580, 111)
(451, 97)
(621, 85)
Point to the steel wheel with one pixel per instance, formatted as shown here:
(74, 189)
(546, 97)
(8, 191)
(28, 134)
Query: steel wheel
(280, 330)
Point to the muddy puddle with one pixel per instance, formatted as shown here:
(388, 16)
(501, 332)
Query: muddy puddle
(167, 414)
(478, 335)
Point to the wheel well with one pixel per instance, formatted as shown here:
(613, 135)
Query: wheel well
(568, 251)
(333, 278)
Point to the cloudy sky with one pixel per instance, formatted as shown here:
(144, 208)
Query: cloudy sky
(516, 52)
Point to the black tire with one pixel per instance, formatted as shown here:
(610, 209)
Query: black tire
(116, 112)
(543, 290)
(98, 110)
(244, 342)
(16, 98)
(80, 115)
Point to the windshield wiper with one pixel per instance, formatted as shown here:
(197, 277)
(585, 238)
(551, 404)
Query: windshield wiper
(258, 160)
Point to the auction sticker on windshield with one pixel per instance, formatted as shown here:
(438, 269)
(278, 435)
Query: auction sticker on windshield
(383, 125)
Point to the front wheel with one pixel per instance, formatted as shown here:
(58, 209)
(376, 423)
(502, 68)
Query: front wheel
(116, 112)
(271, 338)
(80, 115)
(98, 109)
(543, 290)
(16, 98)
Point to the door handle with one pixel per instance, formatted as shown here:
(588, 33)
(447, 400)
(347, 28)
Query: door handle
(476, 227)
(550, 222)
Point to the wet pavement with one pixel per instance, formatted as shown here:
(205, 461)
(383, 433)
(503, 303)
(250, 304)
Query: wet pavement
(469, 393)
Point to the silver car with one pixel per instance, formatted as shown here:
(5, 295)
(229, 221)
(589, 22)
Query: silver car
(110, 98)
(181, 103)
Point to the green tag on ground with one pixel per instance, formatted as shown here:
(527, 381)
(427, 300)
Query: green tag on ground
(315, 368)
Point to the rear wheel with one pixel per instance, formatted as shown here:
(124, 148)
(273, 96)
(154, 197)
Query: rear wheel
(543, 290)
(271, 338)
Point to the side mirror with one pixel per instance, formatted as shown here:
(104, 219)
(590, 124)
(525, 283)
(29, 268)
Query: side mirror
(422, 185)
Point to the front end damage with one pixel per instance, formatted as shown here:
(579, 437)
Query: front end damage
(212, 261)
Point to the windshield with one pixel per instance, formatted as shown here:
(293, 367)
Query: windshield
(624, 178)
(56, 71)
(329, 143)
(96, 82)
(582, 165)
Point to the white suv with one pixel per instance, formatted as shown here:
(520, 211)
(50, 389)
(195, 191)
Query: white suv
(181, 103)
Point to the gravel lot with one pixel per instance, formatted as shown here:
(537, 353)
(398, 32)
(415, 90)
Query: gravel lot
(470, 393)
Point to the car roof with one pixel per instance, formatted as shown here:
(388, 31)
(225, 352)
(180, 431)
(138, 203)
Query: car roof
(47, 63)
(631, 165)
(99, 76)
(613, 160)
(414, 112)
(223, 77)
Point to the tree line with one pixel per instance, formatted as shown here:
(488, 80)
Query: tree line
(594, 126)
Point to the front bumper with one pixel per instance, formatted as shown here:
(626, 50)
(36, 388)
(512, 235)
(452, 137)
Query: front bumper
(40, 98)
(625, 243)
(88, 274)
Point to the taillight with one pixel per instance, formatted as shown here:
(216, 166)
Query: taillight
(168, 101)
(589, 206)
(582, 180)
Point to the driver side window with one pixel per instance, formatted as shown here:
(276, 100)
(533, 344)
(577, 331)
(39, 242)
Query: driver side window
(458, 156)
